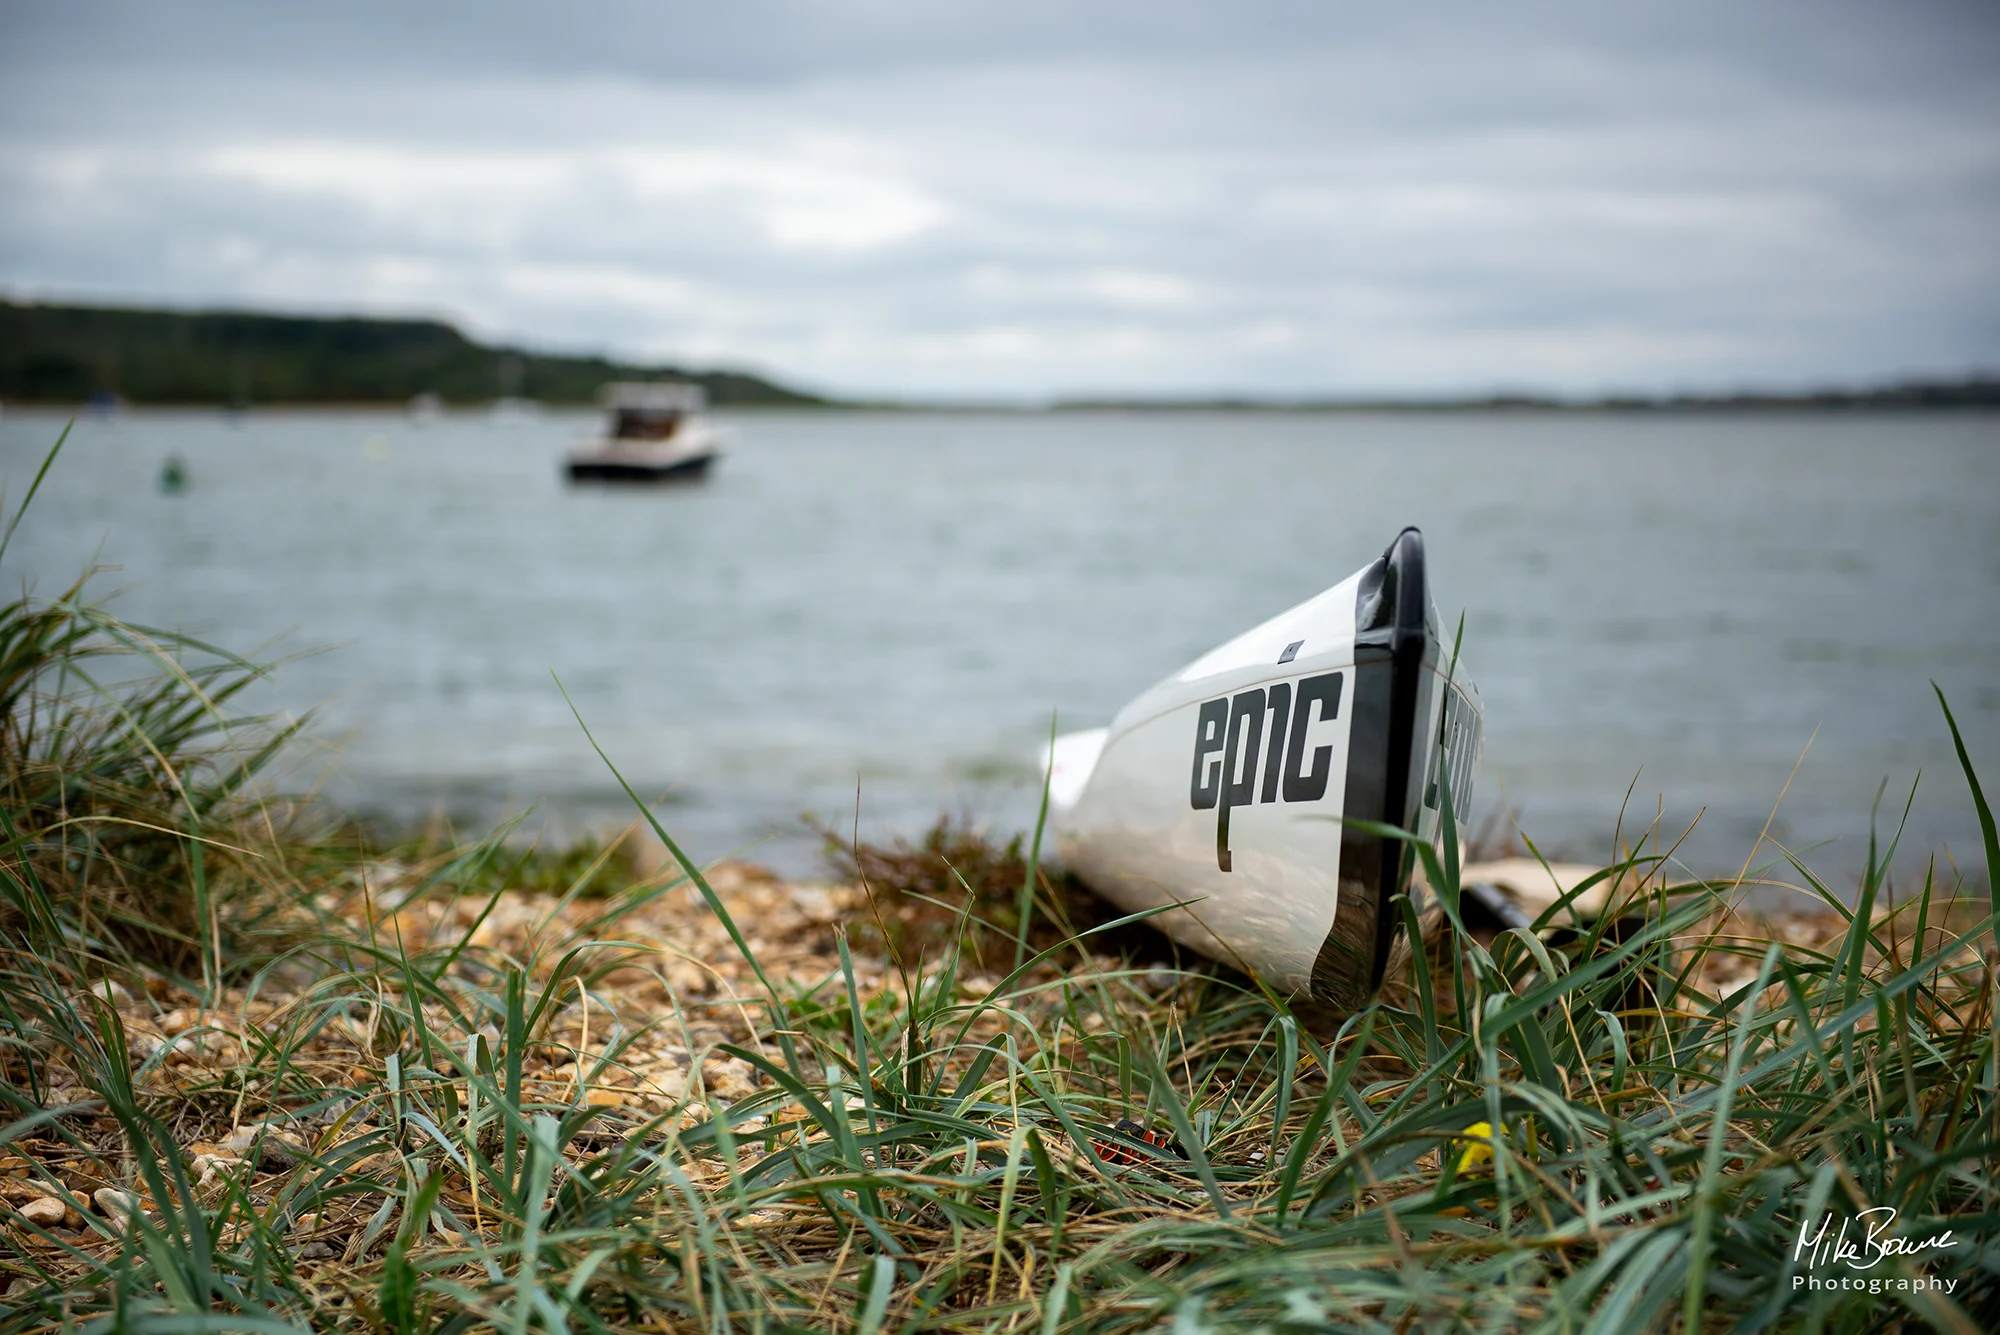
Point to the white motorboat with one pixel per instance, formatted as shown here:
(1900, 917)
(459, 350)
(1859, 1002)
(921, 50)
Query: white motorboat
(654, 432)
(1222, 791)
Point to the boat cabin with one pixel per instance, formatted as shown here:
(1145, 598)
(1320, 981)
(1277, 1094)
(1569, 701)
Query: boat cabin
(650, 410)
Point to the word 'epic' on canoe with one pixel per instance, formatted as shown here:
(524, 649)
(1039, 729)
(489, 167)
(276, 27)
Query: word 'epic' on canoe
(1229, 736)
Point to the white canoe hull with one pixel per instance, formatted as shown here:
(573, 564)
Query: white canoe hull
(1223, 789)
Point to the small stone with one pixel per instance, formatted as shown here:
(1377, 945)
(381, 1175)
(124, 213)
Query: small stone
(731, 1078)
(317, 1251)
(668, 1084)
(104, 989)
(115, 1205)
(688, 979)
(276, 1150)
(46, 1212)
(243, 1137)
(605, 1098)
(193, 1047)
(815, 903)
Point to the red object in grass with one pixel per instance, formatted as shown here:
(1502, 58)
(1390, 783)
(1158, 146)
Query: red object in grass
(1112, 1152)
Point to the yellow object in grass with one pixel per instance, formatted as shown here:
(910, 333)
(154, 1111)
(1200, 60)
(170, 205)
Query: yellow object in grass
(1481, 1149)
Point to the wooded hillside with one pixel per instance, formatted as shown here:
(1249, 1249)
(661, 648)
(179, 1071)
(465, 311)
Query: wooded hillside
(68, 354)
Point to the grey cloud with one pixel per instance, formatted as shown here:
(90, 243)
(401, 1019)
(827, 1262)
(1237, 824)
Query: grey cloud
(1034, 198)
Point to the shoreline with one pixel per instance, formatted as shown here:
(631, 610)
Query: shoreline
(1804, 406)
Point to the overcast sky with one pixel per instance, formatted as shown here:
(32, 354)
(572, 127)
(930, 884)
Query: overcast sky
(1029, 199)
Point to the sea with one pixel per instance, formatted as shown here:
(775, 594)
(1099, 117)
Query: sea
(1718, 632)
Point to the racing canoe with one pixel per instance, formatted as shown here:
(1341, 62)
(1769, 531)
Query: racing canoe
(1229, 789)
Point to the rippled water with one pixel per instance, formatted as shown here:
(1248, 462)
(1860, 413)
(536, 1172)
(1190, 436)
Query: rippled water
(899, 601)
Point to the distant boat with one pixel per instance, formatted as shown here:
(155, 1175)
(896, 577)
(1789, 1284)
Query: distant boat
(512, 411)
(654, 432)
(1225, 788)
(426, 408)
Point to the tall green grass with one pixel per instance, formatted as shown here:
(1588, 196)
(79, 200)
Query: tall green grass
(919, 1158)
(125, 775)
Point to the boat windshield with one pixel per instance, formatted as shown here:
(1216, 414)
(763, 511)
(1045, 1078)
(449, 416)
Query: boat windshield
(642, 424)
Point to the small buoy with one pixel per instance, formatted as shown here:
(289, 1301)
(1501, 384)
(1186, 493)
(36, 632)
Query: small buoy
(173, 476)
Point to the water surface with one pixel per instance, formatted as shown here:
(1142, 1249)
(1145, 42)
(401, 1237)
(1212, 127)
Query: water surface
(1674, 603)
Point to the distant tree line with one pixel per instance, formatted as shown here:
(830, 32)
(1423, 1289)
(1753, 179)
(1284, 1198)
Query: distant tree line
(71, 354)
(1970, 392)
